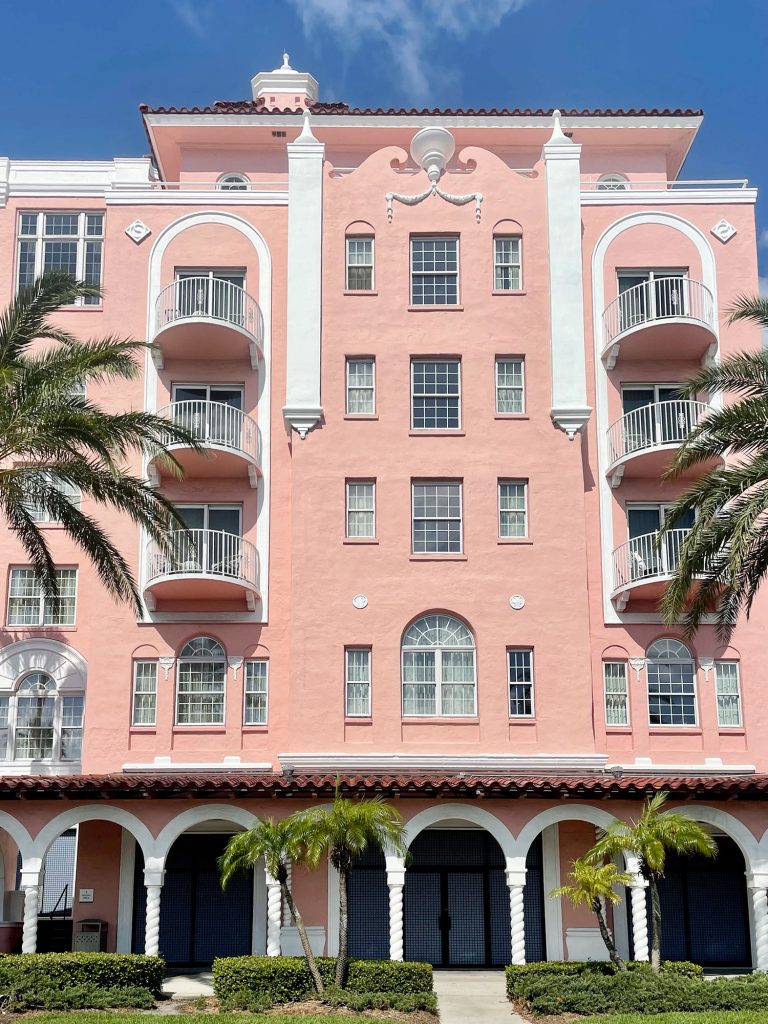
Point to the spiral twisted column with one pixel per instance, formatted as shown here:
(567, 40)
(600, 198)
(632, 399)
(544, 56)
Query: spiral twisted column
(760, 918)
(152, 929)
(639, 920)
(274, 916)
(31, 906)
(395, 921)
(517, 922)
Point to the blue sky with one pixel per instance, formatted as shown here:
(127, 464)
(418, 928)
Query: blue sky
(72, 75)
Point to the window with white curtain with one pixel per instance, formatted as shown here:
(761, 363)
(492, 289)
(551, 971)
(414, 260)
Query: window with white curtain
(66, 489)
(616, 693)
(359, 263)
(255, 695)
(438, 655)
(38, 723)
(357, 683)
(361, 509)
(728, 693)
(513, 508)
(510, 386)
(144, 692)
(28, 607)
(361, 387)
(201, 672)
(507, 263)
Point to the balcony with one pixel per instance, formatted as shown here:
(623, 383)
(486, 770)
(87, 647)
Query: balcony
(232, 441)
(639, 444)
(667, 318)
(644, 565)
(202, 568)
(207, 318)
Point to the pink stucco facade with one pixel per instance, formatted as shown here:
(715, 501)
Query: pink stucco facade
(617, 287)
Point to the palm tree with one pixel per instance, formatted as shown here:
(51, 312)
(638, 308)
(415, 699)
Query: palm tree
(277, 842)
(344, 830)
(726, 551)
(649, 839)
(55, 442)
(593, 884)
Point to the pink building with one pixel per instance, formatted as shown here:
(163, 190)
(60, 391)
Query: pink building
(434, 357)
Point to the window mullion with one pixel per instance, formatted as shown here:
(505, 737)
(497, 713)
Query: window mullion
(438, 682)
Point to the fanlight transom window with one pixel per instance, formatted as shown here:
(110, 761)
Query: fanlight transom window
(668, 649)
(438, 667)
(233, 183)
(37, 723)
(671, 684)
(200, 681)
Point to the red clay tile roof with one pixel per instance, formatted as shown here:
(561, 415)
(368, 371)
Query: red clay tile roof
(603, 786)
(258, 107)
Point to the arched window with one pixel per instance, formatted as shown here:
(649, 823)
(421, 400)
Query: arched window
(200, 677)
(613, 182)
(438, 667)
(671, 683)
(233, 182)
(37, 723)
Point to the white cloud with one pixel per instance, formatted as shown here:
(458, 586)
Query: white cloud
(762, 240)
(192, 15)
(405, 29)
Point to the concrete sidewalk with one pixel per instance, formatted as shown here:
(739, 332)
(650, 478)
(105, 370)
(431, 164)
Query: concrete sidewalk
(188, 985)
(465, 997)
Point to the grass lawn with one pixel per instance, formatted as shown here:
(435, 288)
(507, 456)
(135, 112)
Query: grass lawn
(705, 1017)
(133, 1017)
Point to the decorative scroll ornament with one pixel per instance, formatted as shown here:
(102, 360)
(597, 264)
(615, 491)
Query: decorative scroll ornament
(638, 664)
(234, 664)
(166, 663)
(432, 148)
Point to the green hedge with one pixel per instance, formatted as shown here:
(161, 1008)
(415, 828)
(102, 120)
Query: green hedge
(283, 979)
(570, 968)
(77, 997)
(68, 970)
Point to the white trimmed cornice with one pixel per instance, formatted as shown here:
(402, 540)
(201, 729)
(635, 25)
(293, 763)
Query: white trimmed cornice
(670, 197)
(73, 177)
(442, 764)
(229, 765)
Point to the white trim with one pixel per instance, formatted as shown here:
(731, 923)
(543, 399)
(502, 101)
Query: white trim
(671, 197)
(553, 908)
(470, 813)
(443, 764)
(124, 935)
(188, 197)
(563, 811)
(710, 766)
(332, 935)
(78, 815)
(163, 764)
(177, 826)
(733, 828)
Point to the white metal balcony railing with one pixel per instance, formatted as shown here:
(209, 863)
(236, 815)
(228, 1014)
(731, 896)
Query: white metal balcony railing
(645, 557)
(653, 426)
(216, 423)
(659, 299)
(213, 553)
(210, 297)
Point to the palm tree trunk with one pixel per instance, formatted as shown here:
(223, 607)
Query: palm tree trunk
(342, 960)
(299, 921)
(613, 953)
(655, 924)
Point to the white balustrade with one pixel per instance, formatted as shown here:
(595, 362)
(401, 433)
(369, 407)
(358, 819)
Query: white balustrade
(211, 297)
(647, 556)
(658, 299)
(203, 553)
(215, 423)
(653, 426)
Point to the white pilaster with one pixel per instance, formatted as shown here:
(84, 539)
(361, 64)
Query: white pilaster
(273, 916)
(302, 409)
(566, 288)
(516, 884)
(396, 883)
(153, 882)
(757, 889)
(639, 919)
(30, 883)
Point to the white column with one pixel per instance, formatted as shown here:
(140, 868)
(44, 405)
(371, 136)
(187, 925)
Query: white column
(153, 882)
(566, 288)
(757, 888)
(287, 920)
(30, 883)
(302, 409)
(396, 883)
(639, 918)
(516, 884)
(273, 916)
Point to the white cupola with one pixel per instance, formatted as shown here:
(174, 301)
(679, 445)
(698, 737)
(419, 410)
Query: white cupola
(285, 87)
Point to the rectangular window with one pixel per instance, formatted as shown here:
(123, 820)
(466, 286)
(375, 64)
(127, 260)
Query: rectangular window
(28, 607)
(671, 693)
(510, 386)
(144, 693)
(72, 727)
(361, 508)
(434, 271)
(436, 518)
(440, 682)
(435, 394)
(513, 508)
(507, 264)
(728, 693)
(67, 490)
(69, 242)
(616, 693)
(5, 707)
(359, 264)
(361, 387)
(520, 661)
(255, 703)
(357, 684)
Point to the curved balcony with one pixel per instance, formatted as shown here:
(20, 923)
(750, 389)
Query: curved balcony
(668, 318)
(640, 442)
(207, 318)
(203, 567)
(232, 441)
(644, 565)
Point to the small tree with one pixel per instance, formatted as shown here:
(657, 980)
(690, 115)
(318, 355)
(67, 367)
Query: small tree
(590, 885)
(649, 838)
(344, 830)
(276, 842)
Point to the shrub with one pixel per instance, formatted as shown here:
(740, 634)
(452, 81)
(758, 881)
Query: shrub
(72, 970)
(571, 968)
(285, 979)
(44, 996)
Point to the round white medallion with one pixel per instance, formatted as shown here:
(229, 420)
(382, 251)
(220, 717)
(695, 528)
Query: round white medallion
(360, 601)
(517, 601)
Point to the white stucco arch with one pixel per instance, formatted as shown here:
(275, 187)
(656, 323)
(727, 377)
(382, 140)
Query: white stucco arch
(161, 846)
(730, 826)
(264, 404)
(553, 815)
(461, 812)
(98, 812)
(17, 832)
(66, 666)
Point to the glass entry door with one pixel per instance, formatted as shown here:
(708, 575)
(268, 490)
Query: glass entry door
(211, 542)
(655, 414)
(647, 557)
(651, 295)
(216, 293)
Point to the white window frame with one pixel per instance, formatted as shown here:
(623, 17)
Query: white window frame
(421, 273)
(499, 387)
(501, 483)
(510, 683)
(179, 662)
(38, 515)
(357, 649)
(136, 693)
(347, 265)
(9, 703)
(368, 482)
(420, 482)
(613, 181)
(348, 387)
(436, 394)
(625, 669)
(265, 663)
(233, 181)
(511, 264)
(439, 681)
(41, 237)
(44, 604)
(718, 694)
(687, 661)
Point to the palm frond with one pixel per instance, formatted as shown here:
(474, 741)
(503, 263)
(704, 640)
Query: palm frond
(749, 307)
